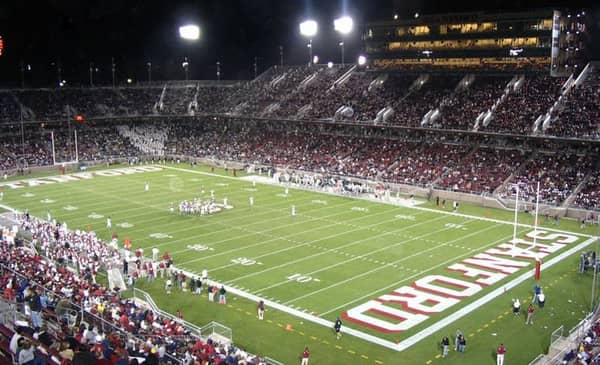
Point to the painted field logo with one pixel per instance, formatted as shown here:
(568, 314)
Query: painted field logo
(160, 235)
(200, 248)
(95, 216)
(47, 201)
(405, 217)
(245, 261)
(360, 209)
(27, 195)
(299, 278)
(70, 208)
(125, 225)
(409, 305)
(455, 226)
(321, 202)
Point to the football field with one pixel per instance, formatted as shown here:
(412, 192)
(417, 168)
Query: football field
(391, 272)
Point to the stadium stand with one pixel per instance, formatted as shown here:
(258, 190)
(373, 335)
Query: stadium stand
(522, 106)
(580, 117)
(83, 319)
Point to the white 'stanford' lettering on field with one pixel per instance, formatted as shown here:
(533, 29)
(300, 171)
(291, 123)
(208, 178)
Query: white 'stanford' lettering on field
(77, 177)
(431, 295)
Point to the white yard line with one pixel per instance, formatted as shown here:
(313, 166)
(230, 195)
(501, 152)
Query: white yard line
(299, 243)
(392, 245)
(350, 279)
(253, 233)
(310, 243)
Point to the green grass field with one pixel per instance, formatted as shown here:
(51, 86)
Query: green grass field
(335, 254)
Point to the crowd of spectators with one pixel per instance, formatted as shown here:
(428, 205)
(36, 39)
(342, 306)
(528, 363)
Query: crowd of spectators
(323, 78)
(459, 110)
(580, 115)
(419, 157)
(147, 138)
(177, 100)
(410, 110)
(422, 163)
(303, 92)
(589, 196)
(522, 107)
(94, 143)
(558, 174)
(349, 93)
(482, 171)
(88, 321)
(393, 88)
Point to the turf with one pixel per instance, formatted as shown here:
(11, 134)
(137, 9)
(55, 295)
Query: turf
(334, 254)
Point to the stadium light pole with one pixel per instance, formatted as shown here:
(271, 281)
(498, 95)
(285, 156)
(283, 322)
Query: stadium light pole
(149, 66)
(22, 74)
(186, 65)
(218, 71)
(91, 74)
(190, 33)
(309, 29)
(113, 70)
(281, 56)
(344, 26)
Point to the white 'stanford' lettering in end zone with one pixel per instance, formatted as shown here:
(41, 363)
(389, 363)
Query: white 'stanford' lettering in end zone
(434, 294)
(78, 176)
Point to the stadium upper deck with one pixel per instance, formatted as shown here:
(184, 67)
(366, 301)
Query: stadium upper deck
(523, 104)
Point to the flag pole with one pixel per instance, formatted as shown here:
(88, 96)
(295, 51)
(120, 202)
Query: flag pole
(76, 150)
(538, 262)
(53, 151)
(516, 215)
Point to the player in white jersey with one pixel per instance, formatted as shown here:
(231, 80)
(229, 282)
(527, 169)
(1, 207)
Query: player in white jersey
(225, 202)
(147, 187)
(287, 191)
(108, 223)
(293, 210)
(171, 208)
(48, 216)
(251, 199)
(1, 195)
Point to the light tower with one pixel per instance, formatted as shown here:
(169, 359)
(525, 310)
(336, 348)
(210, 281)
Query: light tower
(344, 26)
(309, 29)
(191, 33)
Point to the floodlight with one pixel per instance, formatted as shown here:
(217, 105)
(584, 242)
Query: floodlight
(315, 59)
(129, 81)
(309, 28)
(343, 25)
(190, 32)
(330, 64)
(185, 64)
(362, 60)
(395, 16)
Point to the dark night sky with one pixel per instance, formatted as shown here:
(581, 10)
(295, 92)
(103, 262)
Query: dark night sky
(233, 31)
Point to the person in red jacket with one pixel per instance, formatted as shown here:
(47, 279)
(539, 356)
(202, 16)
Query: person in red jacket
(305, 355)
(500, 351)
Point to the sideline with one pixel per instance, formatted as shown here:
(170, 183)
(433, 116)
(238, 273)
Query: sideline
(461, 215)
